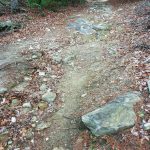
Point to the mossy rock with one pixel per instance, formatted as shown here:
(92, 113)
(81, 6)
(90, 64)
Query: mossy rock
(9, 25)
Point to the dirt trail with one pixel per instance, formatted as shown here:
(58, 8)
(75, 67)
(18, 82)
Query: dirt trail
(92, 74)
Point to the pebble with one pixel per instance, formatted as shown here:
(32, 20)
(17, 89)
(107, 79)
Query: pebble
(32, 141)
(30, 48)
(33, 125)
(43, 87)
(34, 56)
(47, 29)
(53, 76)
(27, 148)
(14, 102)
(49, 97)
(146, 126)
(83, 95)
(57, 58)
(29, 134)
(42, 126)
(147, 60)
(42, 105)
(25, 110)
(34, 119)
(148, 83)
(45, 79)
(3, 90)
(13, 119)
(9, 142)
(41, 73)
(27, 105)
(27, 78)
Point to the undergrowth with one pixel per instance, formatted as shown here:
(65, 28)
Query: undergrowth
(53, 5)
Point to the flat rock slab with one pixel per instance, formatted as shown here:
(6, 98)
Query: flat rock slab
(114, 116)
(85, 27)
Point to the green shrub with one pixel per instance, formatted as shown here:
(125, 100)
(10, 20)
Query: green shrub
(34, 3)
(54, 4)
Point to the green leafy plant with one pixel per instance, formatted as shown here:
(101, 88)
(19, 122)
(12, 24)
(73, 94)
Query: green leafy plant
(53, 4)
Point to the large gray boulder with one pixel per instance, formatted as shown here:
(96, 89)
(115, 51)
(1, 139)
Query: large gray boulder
(114, 116)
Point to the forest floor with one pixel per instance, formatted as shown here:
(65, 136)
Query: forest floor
(82, 68)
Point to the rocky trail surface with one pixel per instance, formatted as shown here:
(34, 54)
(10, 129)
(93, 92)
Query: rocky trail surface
(77, 65)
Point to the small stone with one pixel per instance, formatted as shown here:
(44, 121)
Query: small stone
(33, 125)
(34, 56)
(48, 30)
(25, 110)
(27, 148)
(49, 97)
(14, 102)
(148, 83)
(47, 139)
(13, 119)
(34, 119)
(27, 105)
(29, 134)
(53, 76)
(3, 90)
(134, 132)
(148, 105)
(147, 60)
(45, 79)
(27, 78)
(32, 141)
(43, 87)
(9, 142)
(41, 73)
(57, 58)
(42, 126)
(42, 105)
(30, 48)
(146, 126)
(83, 95)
